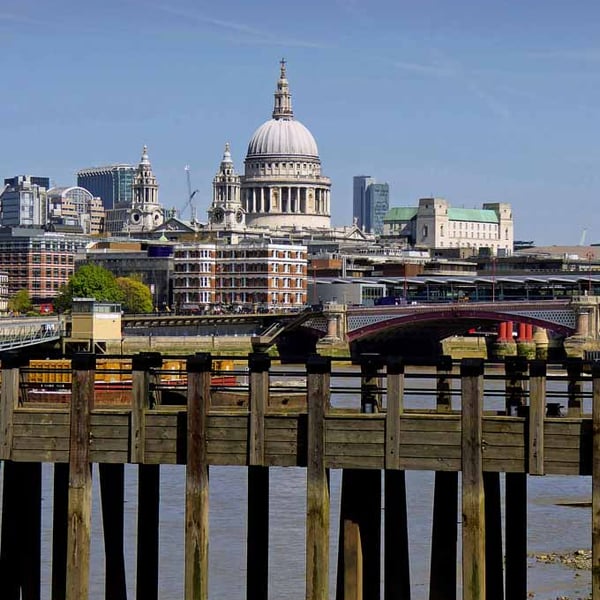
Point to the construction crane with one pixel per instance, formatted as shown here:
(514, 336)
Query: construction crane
(190, 198)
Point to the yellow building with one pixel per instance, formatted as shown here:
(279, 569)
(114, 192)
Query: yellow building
(93, 324)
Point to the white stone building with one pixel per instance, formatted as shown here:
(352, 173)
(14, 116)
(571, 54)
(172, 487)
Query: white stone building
(435, 224)
(144, 213)
(226, 212)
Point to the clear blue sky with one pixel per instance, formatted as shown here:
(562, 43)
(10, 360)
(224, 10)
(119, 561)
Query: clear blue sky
(474, 101)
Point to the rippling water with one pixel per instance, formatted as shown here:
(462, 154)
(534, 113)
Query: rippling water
(551, 528)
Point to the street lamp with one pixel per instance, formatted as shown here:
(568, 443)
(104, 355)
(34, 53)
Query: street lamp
(493, 279)
(589, 255)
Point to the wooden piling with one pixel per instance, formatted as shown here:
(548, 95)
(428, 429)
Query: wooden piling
(494, 553)
(515, 507)
(9, 400)
(196, 491)
(146, 587)
(317, 480)
(444, 384)
(442, 580)
(360, 517)
(143, 376)
(595, 481)
(537, 413)
(112, 498)
(574, 388)
(396, 548)
(11, 548)
(10, 580)
(60, 503)
(473, 504)
(257, 555)
(395, 407)
(80, 478)
(444, 535)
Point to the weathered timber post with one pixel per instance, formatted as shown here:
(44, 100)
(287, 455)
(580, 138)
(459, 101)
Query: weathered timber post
(359, 561)
(494, 556)
(60, 503)
(9, 400)
(394, 410)
(80, 477)
(443, 399)
(595, 481)
(574, 388)
(10, 580)
(473, 502)
(515, 573)
(318, 370)
(396, 551)
(257, 557)
(370, 388)
(537, 413)
(442, 579)
(143, 377)
(196, 488)
(112, 499)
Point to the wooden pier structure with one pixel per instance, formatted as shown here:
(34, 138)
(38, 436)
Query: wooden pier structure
(528, 437)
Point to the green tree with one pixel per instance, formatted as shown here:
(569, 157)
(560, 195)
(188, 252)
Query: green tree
(137, 297)
(20, 302)
(89, 281)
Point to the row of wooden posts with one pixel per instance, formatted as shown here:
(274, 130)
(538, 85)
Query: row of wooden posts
(488, 572)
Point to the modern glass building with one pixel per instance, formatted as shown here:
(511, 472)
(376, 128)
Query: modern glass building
(112, 183)
(370, 203)
(378, 204)
(23, 201)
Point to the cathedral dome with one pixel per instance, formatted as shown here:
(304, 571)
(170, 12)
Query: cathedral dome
(282, 137)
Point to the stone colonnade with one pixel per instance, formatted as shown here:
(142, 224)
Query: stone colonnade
(292, 199)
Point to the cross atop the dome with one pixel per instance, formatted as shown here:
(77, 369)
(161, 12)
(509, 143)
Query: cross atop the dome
(283, 98)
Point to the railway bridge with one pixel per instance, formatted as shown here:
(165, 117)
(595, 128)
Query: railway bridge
(417, 326)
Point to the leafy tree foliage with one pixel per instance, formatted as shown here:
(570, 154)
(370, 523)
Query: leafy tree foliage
(20, 302)
(137, 297)
(89, 281)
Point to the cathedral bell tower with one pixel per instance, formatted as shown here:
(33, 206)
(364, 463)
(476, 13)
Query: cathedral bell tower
(145, 213)
(226, 210)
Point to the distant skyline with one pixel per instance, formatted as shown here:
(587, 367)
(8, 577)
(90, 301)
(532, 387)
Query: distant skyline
(472, 101)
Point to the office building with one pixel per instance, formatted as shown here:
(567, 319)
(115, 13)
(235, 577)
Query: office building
(23, 201)
(75, 207)
(112, 183)
(38, 261)
(370, 203)
(435, 224)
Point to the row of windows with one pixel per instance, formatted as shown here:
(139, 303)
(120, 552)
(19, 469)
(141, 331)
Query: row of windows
(282, 168)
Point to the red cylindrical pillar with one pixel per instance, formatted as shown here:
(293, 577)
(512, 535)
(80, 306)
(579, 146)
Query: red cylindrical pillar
(529, 332)
(502, 332)
(509, 331)
(522, 332)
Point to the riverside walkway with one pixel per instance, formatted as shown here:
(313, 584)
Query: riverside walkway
(535, 432)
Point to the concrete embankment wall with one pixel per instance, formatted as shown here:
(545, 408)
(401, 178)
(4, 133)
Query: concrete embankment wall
(182, 345)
